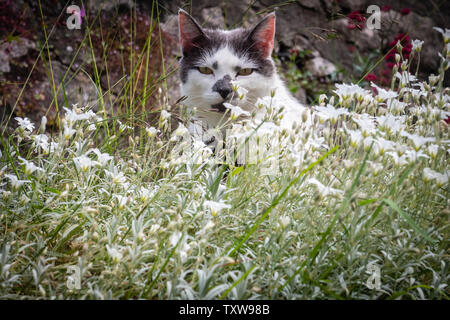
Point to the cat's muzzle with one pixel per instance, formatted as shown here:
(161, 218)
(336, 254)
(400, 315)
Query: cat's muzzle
(219, 107)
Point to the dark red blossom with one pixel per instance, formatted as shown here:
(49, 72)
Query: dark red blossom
(390, 55)
(390, 65)
(355, 19)
(386, 8)
(405, 11)
(351, 25)
(356, 16)
(370, 77)
(386, 72)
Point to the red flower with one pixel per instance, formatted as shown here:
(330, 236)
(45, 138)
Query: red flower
(386, 72)
(351, 48)
(385, 81)
(386, 8)
(405, 11)
(351, 25)
(356, 16)
(390, 65)
(390, 55)
(406, 50)
(370, 77)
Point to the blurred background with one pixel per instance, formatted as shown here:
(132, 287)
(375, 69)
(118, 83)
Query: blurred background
(124, 56)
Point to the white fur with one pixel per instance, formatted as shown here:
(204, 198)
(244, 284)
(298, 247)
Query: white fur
(198, 87)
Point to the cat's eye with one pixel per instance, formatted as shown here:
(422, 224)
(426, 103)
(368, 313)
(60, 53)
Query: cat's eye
(205, 70)
(245, 72)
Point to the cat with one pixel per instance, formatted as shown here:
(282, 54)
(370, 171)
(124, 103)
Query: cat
(214, 60)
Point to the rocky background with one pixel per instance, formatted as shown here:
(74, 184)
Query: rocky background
(318, 43)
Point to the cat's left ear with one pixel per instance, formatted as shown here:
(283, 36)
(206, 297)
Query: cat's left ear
(190, 31)
(263, 34)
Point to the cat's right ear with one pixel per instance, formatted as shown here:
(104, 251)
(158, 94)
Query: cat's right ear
(190, 31)
(262, 35)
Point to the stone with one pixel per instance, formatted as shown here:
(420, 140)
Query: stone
(320, 67)
(14, 49)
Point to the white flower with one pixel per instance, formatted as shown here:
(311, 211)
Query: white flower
(356, 137)
(417, 140)
(330, 112)
(115, 254)
(399, 161)
(121, 200)
(30, 167)
(15, 182)
(417, 45)
(165, 115)
(346, 91)
(74, 115)
(68, 131)
(84, 163)
(102, 158)
(236, 112)
(25, 124)
(117, 177)
(215, 207)
(284, 221)
(181, 130)
(174, 238)
(154, 228)
(375, 167)
(441, 178)
(241, 91)
(405, 77)
(323, 190)
(382, 145)
(123, 127)
(323, 98)
(265, 102)
(445, 34)
(145, 194)
(438, 113)
(151, 132)
(384, 94)
(200, 152)
(391, 123)
(41, 141)
(395, 106)
(184, 251)
(209, 225)
(433, 150)
(366, 123)
(413, 155)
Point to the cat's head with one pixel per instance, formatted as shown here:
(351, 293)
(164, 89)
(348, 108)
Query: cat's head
(213, 58)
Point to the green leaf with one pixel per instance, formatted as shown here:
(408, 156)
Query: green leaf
(408, 219)
(366, 201)
(237, 170)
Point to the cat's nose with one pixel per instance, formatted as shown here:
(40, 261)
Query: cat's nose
(223, 87)
(225, 92)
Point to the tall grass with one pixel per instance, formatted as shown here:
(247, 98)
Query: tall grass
(360, 180)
